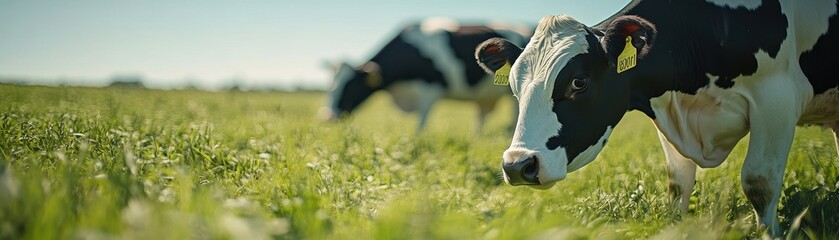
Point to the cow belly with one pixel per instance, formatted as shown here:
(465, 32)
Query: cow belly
(823, 109)
(702, 127)
(414, 95)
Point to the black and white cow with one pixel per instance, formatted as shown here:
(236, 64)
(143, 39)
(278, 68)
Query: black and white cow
(707, 72)
(425, 62)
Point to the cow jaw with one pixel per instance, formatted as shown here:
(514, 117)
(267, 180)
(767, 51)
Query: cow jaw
(590, 153)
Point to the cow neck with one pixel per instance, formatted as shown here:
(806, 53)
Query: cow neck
(673, 64)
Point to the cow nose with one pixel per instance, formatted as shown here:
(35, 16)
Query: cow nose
(523, 172)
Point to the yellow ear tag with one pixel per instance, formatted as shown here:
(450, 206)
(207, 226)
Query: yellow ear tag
(502, 75)
(628, 57)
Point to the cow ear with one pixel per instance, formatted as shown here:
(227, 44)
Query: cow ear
(374, 74)
(371, 67)
(641, 32)
(493, 53)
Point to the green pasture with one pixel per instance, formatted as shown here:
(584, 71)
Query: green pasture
(131, 163)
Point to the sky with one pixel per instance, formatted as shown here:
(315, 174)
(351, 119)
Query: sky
(212, 43)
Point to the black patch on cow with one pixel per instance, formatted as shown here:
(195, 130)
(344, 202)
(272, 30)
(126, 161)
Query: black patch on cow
(399, 60)
(758, 193)
(719, 40)
(463, 42)
(586, 114)
(354, 93)
(738, 35)
(819, 63)
(696, 38)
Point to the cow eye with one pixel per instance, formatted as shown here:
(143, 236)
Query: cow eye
(579, 84)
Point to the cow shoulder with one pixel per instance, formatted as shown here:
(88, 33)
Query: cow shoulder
(739, 30)
(431, 37)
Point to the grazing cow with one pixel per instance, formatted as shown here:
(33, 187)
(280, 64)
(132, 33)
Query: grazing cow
(423, 63)
(707, 72)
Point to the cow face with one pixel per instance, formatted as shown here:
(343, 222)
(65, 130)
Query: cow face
(570, 95)
(351, 87)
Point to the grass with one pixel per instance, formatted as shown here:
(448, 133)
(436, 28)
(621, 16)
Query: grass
(129, 163)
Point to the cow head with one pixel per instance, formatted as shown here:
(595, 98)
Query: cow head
(570, 94)
(351, 87)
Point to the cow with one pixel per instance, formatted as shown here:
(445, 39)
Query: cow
(426, 61)
(707, 72)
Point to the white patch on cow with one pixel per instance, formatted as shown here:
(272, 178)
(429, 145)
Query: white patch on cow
(809, 21)
(681, 172)
(416, 96)
(434, 25)
(734, 4)
(704, 127)
(590, 153)
(557, 39)
(432, 42)
(408, 94)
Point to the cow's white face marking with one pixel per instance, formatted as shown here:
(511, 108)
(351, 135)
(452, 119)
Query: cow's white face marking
(557, 39)
(733, 4)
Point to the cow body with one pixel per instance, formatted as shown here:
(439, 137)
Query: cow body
(708, 73)
(425, 62)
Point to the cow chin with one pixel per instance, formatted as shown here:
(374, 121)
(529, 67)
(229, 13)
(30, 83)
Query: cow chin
(544, 186)
(590, 153)
(580, 162)
(551, 171)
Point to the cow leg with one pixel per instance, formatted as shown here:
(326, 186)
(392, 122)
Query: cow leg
(485, 106)
(429, 95)
(772, 119)
(681, 173)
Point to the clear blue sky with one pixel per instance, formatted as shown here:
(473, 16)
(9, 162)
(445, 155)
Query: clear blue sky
(262, 42)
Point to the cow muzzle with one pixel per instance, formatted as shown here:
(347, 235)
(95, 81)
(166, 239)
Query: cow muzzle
(531, 168)
(523, 172)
